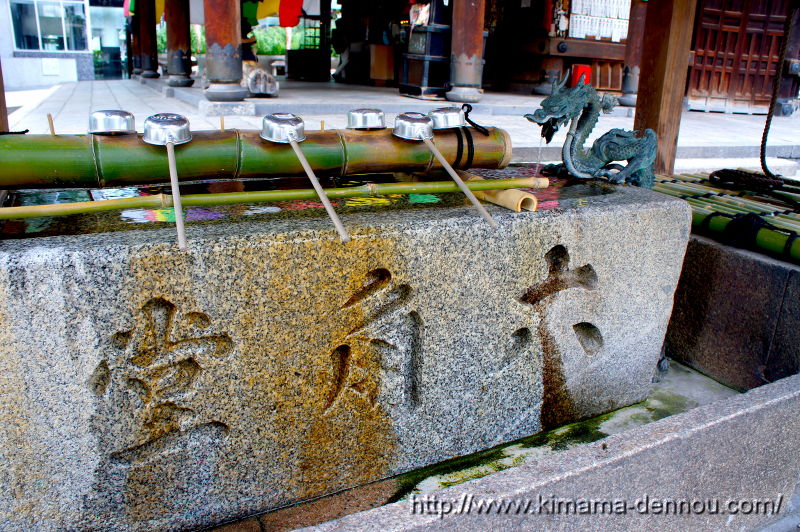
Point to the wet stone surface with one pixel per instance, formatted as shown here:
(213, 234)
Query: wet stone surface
(148, 388)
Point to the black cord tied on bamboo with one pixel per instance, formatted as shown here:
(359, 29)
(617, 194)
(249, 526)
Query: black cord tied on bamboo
(459, 148)
(742, 231)
(467, 108)
(14, 132)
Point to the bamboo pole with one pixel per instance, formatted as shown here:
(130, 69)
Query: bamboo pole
(721, 201)
(766, 239)
(164, 201)
(719, 204)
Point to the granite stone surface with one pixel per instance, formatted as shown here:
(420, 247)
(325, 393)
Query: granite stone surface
(145, 388)
(736, 315)
(729, 465)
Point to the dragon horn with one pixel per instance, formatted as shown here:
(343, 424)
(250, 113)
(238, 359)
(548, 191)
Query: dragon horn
(564, 81)
(582, 81)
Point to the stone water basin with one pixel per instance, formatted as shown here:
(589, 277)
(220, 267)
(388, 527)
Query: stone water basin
(148, 388)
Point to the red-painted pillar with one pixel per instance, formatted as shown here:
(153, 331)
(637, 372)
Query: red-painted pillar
(179, 53)
(146, 13)
(466, 55)
(224, 50)
(134, 54)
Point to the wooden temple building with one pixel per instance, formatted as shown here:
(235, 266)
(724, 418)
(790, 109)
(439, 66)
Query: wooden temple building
(712, 55)
(459, 46)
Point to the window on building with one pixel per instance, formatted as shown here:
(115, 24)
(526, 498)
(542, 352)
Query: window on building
(75, 24)
(49, 25)
(26, 33)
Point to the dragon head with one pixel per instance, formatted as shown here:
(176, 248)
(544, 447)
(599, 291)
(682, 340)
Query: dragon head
(561, 106)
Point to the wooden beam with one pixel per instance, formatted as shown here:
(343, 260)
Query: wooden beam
(637, 17)
(664, 66)
(577, 48)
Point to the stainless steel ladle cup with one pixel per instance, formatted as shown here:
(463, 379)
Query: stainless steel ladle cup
(447, 117)
(366, 119)
(111, 122)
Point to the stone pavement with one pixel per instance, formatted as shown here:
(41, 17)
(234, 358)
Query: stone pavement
(702, 135)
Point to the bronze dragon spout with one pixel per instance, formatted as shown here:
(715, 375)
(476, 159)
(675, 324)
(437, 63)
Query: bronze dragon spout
(580, 107)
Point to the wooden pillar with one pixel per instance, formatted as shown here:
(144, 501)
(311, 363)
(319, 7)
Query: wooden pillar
(3, 107)
(466, 54)
(135, 54)
(148, 53)
(128, 48)
(787, 103)
(179, 43)
(224, 50)
(664, 65)
(633, 52)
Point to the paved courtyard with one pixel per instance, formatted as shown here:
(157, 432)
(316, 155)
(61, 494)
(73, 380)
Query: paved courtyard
(707, 140)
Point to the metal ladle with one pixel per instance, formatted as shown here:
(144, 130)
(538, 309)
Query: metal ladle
(112, 122)
(169, 129)
(366, 119)
(286, 128)
(417, 126)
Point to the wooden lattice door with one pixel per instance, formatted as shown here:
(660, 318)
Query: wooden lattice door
(736, 49)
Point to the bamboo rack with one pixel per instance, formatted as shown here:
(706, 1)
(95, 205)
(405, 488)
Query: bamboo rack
(161, 201)
(708, 201)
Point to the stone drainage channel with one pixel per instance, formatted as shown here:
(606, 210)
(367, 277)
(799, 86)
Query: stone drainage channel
(676, 389)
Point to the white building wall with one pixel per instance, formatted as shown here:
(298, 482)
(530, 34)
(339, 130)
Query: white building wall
(20, 70)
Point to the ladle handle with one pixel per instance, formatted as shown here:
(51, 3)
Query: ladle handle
(320, 192)
(467, 192)
(176, 195)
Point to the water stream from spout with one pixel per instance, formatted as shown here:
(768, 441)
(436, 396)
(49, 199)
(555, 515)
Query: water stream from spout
(539, 157)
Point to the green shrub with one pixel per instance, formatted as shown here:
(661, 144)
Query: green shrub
(161, 38)
(270, 41)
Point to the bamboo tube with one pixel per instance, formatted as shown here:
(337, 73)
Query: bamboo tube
(51, 125)
(516, 200)
(163, 201)
(222, 123)
(96, 161)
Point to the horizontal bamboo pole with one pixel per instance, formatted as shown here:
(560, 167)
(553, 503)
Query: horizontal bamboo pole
(162, 201)
(789, 225)
(766, 239)
(732, 205)
(96, 161)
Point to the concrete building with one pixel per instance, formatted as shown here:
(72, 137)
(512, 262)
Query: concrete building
(45, 42)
